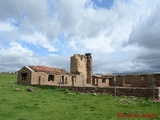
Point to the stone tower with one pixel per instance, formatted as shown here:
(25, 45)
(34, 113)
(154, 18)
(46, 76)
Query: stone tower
(82, 65)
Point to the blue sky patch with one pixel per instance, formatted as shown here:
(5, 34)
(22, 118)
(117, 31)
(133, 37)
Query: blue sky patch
(62, 45)
(37, 49)
(103, 3)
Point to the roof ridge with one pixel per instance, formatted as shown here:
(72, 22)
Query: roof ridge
(48, 69)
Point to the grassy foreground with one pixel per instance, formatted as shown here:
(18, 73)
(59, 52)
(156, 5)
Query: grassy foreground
(50, 103)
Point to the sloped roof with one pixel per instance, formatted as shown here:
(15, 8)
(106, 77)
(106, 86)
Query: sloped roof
(48, 70)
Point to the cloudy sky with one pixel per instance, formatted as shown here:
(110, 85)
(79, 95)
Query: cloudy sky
(122, 35)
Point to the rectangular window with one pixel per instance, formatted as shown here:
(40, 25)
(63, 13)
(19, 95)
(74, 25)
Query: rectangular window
(103, 80)
(24, 76)
(51, 78)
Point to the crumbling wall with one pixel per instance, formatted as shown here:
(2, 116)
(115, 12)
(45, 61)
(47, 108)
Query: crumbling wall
(79, 80)
(146, 80)
(89, 67)
(27, 80)
(120, 91)
(39, 78)
(103, 82)
(67, 80)
(157, 80)
(42, 78)
(136, 80)
(78, 65)
(120, 81)
(82, 65)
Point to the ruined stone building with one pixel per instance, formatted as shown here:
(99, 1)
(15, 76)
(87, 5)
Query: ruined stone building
(81, 76)
(41, 75)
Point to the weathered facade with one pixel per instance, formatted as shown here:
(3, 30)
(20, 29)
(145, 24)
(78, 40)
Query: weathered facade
(42, 75)
(81, 76)
(101, 80)
(137, 80)
(82, 65)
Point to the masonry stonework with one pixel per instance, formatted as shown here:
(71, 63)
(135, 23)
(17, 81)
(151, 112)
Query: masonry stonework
(81, 79)
(82, 65)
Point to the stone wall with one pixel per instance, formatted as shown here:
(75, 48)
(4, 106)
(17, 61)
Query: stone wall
(137, 80)
(89, 67)
(78, 64)
(26, 80)
(103, 82)
(157, 79)
(120, 81)
(140, 84)
(100, 81)
(38, 78)
(120, 91)
(42, 78)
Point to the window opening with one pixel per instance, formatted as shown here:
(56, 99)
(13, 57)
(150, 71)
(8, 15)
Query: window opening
(62, 80)
(24, 76)
(51, 78)
(103, 80)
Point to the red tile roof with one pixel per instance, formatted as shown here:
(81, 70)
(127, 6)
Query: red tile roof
(48, 70)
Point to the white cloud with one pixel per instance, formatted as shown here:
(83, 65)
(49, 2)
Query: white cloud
(6, 27)
(38, 39)
(145, 35)
(17, 49)
(15, 56)
(100, 43)
(115, 36)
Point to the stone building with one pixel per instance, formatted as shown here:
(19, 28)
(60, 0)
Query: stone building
(136, 80)
(81, 77)
(41, 75)
(80, 74)
(82, 65)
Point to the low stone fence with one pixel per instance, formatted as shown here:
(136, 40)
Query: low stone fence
(120, 91)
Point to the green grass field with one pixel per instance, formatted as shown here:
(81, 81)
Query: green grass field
(50, 103)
